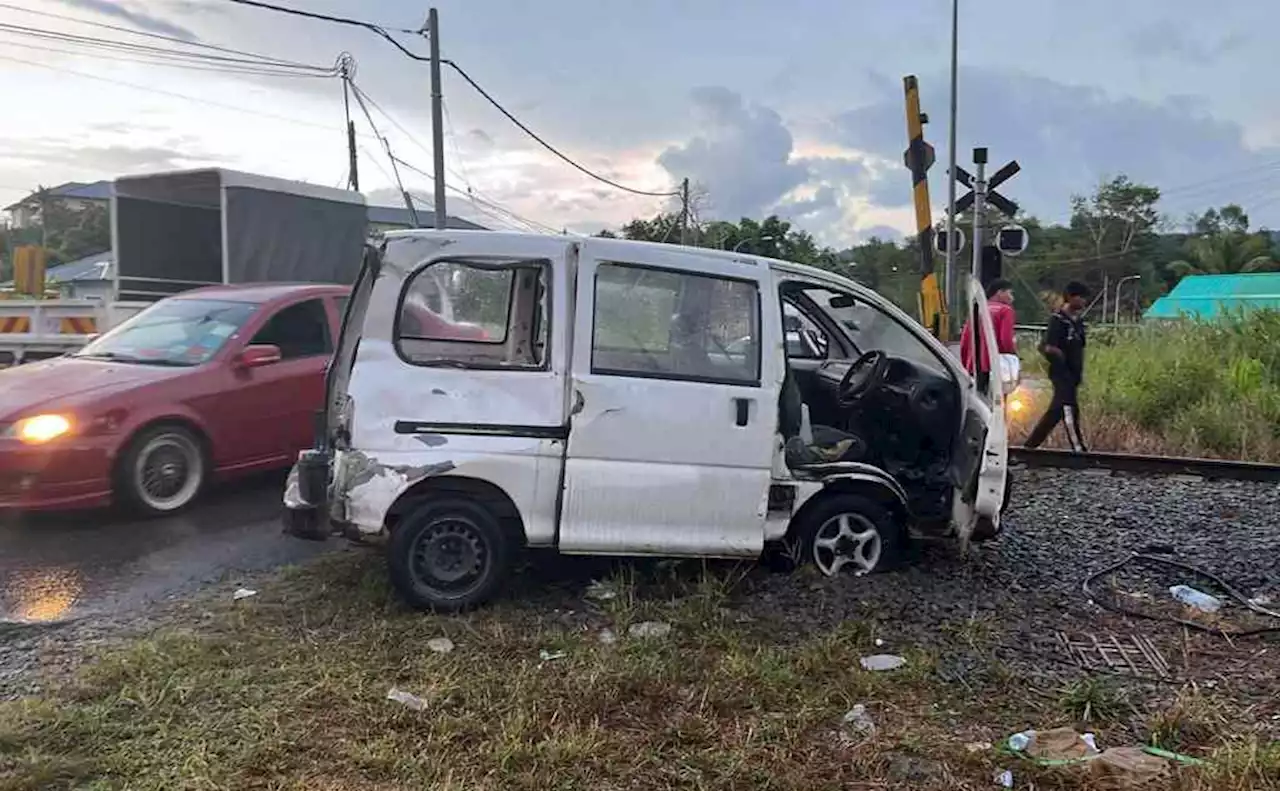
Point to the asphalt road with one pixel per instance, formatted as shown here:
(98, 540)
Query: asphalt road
(57, 567)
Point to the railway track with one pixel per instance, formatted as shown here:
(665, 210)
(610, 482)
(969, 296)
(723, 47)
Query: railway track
(1219, 469)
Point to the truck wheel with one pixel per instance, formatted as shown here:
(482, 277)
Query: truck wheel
(449, 555)
(163, 471)
(851, 531)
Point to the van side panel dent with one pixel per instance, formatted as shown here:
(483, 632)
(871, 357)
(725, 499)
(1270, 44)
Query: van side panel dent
(526, 469)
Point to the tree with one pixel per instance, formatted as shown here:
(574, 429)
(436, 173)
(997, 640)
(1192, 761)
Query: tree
(1223, 245)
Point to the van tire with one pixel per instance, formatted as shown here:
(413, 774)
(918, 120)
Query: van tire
(435, 549)
(875, 540)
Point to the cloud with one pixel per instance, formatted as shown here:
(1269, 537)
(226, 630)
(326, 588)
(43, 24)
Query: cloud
(53, 162)
(741, 154)
(1165, 39)
(1066, 137)
(139, 19)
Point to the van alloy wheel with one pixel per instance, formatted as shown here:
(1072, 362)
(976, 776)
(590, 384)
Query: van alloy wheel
(845, 531)
(846, 539)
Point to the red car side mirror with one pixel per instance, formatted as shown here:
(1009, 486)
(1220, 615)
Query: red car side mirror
(258, 355)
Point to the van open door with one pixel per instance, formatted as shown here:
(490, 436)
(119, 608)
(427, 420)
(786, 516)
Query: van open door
(992, 473)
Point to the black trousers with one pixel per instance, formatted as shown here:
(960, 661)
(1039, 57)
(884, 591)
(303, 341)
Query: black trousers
(1065, 409)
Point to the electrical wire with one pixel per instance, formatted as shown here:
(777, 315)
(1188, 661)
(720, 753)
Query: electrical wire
(604, 180)
(132, 48)
(171, 94)
(378, 29)
(386, 145)
(496, 206)
(211, 68)
(1087, 587)
(146, 34)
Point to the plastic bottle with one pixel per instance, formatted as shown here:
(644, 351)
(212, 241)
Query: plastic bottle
(1194, 598)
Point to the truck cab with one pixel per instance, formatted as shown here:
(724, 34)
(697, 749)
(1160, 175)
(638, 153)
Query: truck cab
(628, 398)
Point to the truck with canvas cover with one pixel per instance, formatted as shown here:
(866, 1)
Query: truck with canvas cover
(175, 231)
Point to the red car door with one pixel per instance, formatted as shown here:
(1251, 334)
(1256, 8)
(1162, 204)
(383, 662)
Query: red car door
(265, 415)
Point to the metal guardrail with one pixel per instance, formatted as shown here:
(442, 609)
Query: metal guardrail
(1222, 469)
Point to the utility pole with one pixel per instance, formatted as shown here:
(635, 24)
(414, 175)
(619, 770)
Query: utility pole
(353, 173)
(979, 205)
(950, 295)
(437, 116)
(684, 212)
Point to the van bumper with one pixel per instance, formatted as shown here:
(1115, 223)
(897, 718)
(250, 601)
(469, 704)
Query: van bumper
(306, 501)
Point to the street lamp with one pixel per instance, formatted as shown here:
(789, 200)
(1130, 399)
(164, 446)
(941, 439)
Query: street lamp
(1123, 280)
(739, 245)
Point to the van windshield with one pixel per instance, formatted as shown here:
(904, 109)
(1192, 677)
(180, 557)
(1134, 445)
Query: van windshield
(870, 328)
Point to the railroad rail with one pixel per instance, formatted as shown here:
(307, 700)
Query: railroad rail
(1220, 469)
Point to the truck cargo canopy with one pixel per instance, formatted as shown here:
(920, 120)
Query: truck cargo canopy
(181, 230)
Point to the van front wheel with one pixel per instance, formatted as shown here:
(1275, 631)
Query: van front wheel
(449, 555)
(855, 533)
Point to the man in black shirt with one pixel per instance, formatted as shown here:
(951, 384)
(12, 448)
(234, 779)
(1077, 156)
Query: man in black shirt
(1063, 348)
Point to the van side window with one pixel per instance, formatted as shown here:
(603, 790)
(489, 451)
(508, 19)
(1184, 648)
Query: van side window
(672, 325)
(482, 314)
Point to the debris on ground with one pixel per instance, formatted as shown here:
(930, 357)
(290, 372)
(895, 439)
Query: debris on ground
(608, 637)
(1128, 767)
(243, 593)
(859, 721)
(407, 698)
(1194, 598)
(978, 747)
(440, 645)
(878, 662)
(1003, 778)
(647, 629)
(601, 591)
(551, 656)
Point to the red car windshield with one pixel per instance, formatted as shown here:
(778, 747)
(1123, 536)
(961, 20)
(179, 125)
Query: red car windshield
(173, 332)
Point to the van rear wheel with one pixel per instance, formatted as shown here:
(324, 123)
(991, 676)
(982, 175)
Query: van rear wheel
(449, 555)
(852, 532)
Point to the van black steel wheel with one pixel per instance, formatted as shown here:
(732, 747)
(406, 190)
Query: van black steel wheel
(449, 555)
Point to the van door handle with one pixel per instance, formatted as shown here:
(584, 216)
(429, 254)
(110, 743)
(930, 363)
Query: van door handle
(744, 410)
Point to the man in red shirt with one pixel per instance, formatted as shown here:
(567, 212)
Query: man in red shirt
(1000, 304)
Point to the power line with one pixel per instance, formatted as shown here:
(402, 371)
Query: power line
(146, 34)
(493, 204)
(93, 42)
(171, 94)
(550, 147)
(378, 29)
(255, 72)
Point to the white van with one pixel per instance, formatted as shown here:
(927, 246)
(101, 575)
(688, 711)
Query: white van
(628, 398)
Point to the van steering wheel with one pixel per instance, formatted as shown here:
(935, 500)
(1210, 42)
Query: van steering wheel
(866, 373)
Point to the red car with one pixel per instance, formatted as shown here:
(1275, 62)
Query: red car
(209, 384)
(212, 383)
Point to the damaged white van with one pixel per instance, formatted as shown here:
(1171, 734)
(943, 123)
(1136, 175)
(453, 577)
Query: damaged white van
(627, 398)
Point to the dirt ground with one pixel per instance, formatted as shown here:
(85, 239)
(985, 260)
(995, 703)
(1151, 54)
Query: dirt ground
(656, 674)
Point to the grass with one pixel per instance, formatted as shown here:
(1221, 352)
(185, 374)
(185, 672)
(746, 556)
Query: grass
(1187, 388)
(287, 690)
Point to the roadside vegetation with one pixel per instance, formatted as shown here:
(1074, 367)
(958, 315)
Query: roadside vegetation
(1179, 388)
(548, 690)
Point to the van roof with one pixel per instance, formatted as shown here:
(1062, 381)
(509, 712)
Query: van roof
(725, 255)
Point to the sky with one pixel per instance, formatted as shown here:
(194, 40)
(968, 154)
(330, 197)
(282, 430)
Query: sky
(789, 108)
